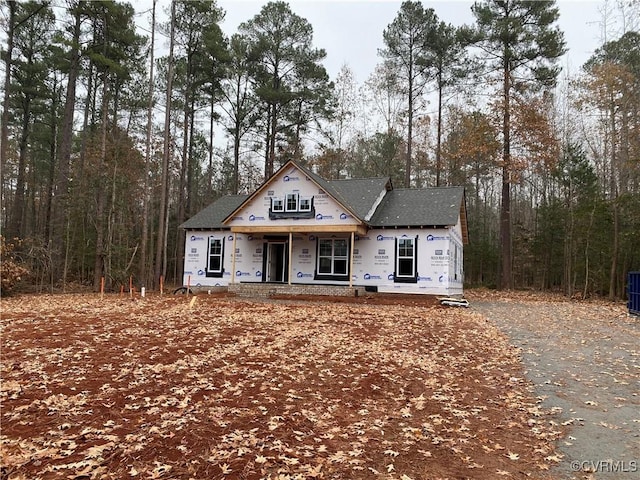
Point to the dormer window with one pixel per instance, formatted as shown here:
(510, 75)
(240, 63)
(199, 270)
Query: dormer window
(305, 204)
(292, 202)
(292, 205)
(277, 205)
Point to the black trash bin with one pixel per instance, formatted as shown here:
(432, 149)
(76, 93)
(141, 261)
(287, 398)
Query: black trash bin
(634, 293)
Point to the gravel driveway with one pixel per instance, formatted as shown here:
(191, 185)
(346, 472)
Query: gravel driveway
(584, 362)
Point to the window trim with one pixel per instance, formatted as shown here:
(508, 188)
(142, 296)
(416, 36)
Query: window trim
(309, 202)
(215, 273)
(413, 278)
(286, 202)
(273, 209)
(285, 212)
(332, 275)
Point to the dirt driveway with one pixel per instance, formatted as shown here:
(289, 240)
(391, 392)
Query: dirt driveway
(584, 361)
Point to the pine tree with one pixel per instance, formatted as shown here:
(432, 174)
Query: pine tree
(407, 41)
(520, 45)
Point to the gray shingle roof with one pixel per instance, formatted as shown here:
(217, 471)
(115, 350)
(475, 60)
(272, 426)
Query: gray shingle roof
(213, 215)
(419, 207)
(425, 207)
(361, 193)
(330, 188)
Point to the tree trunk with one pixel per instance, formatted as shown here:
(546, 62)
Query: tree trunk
(407, 167)
(161, 245)
(613, 272)
(267, 141)
(506, 281)
(439, 130)
(143, 271)
(4, 135)
(99, 263)
(46, 233)
(614, 192)
(569, 249)
(16, 225)
(272, 144)
(60, 198)
(211, 137)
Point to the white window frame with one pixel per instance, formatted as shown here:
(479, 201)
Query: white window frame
(286, 202)
(333, 257)
(219, 255)
(273, 204)
(404, 257)
(307, 200)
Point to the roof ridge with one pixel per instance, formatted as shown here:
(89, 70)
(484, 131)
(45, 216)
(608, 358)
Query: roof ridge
(429, 188)
(358, 178)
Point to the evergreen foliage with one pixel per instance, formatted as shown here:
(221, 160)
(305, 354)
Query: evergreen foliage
(552, 175)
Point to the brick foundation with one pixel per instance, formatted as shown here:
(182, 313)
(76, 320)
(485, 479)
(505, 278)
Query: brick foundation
(265, 290)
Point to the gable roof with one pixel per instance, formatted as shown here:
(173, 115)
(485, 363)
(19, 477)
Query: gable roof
(363, 198)
(317, 179)
(436, 207)
(213, 215)
(361, 194)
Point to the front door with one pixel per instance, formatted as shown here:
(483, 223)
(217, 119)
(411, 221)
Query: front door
(276, 263)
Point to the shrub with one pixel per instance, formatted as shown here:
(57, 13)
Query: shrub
(11, 268)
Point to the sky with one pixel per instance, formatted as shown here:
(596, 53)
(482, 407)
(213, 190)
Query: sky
(351, 30)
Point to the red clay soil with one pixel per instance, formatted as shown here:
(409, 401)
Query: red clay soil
(209, 387)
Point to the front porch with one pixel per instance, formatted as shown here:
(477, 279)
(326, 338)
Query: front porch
(279, 264)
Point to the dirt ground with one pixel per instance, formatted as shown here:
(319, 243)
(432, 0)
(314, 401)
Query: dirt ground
(211, 387)
(584, 360)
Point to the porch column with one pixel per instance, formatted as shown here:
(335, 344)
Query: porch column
(290, 255)
(233, 260)
(353, 241)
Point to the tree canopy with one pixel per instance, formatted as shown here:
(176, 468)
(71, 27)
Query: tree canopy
(109, 141)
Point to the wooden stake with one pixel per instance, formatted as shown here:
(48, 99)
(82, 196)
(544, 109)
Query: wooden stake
(161, 284)
(192, 302)
(131, 285)
(101, 287)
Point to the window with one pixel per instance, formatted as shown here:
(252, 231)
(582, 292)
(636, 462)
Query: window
(305, 204)
(214, 265)
(292, 202)
(333, 256)
(457, 265)
(291, 205)
(406, 260)
(277, 205)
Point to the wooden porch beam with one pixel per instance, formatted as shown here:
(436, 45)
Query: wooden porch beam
(359, 229)
(233, 260)
(290, 257)
(353, 242)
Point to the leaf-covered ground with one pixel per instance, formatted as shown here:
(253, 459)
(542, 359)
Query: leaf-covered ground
(170, 387)
(583, 358)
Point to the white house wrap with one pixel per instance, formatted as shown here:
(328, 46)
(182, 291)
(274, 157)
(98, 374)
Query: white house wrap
(298, 228)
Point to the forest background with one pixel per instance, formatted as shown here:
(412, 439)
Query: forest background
(108, 147)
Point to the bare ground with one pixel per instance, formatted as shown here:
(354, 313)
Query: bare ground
(584, 361)
(211, 388)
